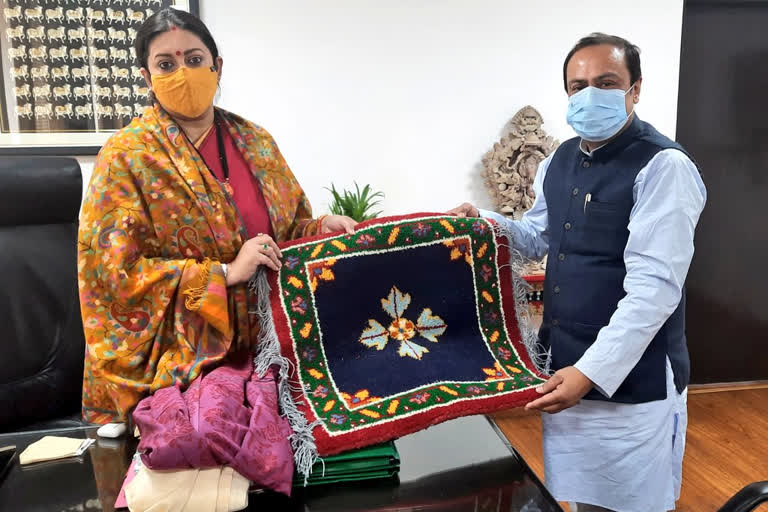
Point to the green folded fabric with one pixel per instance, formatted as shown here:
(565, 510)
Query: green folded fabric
(351, 471)
(374, 451)
(378, 461)
(375, 475)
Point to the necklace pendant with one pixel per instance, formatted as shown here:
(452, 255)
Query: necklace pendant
(228, 188)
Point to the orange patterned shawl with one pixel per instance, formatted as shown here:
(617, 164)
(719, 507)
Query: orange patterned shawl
(154, 229)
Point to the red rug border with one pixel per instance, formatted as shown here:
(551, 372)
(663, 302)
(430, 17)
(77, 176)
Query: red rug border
(508, 296)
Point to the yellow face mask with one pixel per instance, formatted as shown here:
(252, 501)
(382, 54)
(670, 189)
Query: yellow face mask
(187, 91)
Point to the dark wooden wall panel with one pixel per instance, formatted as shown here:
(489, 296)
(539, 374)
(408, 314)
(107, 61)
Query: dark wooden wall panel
(723, 122)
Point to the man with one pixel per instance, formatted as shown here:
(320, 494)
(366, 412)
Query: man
(616, 210)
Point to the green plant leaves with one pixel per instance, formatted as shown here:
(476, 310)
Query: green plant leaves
(357, 204)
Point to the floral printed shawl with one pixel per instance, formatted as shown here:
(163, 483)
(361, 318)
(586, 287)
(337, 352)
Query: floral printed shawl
(154, 229)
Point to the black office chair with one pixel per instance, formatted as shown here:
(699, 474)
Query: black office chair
(747, 499)
(41, 333)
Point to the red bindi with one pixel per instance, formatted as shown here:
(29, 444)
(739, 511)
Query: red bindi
(173, 28)
(178, 52)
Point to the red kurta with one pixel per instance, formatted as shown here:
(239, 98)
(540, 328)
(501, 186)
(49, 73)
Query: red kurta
(247, 193)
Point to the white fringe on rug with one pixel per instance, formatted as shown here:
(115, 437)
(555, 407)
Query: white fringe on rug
(541, 359)
(268, 355)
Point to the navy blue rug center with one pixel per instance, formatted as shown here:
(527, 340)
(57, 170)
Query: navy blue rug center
(347, 304)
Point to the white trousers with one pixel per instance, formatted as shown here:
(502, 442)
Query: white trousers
(622, 457)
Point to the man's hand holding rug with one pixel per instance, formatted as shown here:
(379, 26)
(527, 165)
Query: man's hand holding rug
(565, 389)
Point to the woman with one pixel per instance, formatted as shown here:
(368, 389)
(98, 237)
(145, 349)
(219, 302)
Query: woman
(184, 206)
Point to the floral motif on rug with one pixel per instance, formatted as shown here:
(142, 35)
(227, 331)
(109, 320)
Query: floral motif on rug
(408, 322)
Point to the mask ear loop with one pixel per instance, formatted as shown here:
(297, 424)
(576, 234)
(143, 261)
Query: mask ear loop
(633, 103)
(151, 99)
(215, 69)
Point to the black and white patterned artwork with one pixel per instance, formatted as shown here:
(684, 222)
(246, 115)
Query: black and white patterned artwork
(70, 65)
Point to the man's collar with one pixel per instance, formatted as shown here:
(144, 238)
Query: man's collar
(621, 138)
(588, 152)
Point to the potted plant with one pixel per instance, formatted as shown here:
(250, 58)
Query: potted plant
(356, 204)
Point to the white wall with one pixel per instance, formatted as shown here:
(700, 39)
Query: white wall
(86, 167)
(408, 95)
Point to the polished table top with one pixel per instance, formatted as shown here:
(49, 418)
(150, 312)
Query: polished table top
(460, 465)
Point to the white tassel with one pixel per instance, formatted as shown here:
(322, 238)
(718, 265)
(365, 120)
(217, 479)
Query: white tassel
(541, 358)
(268, 355)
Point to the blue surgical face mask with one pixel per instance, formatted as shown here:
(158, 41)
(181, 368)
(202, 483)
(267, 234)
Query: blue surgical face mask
(597, 114)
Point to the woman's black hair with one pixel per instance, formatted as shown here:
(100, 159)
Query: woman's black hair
(162, 22)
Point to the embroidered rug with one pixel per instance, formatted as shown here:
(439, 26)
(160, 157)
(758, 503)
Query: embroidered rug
(408, 322)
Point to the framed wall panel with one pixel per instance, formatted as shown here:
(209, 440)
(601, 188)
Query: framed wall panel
(68, 72)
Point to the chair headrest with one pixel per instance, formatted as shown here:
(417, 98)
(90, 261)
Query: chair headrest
(39, 190)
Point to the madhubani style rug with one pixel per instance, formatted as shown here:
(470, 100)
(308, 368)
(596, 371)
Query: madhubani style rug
(406, 323)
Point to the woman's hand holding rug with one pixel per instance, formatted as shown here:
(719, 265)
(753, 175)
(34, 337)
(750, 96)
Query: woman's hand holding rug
(334, 223)
(259, 250)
